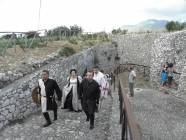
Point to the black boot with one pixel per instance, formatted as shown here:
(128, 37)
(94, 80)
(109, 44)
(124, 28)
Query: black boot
(55, 115)
(91, 122)
(87, 120)
(47, 118)
(87, 116)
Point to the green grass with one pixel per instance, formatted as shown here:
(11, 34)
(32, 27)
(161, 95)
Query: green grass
(66, 51)
(81, 40)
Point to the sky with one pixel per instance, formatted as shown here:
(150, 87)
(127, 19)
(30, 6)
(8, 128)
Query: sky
(91, 15)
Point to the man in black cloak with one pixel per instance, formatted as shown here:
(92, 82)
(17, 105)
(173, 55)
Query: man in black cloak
(90, 93)
(47, 87)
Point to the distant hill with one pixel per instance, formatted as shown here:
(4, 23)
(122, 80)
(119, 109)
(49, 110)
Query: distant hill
(148, 25)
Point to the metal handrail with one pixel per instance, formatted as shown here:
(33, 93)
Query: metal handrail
(130, 129)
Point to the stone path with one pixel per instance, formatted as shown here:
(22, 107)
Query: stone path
(69, 126)
(160, 116)
(115, 127)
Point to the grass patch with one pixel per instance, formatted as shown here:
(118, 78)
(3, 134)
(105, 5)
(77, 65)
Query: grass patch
(66, 51)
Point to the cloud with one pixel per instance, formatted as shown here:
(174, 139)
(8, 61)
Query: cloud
(173, 10)
(92, 15)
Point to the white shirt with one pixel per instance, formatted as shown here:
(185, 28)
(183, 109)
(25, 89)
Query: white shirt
(100, 79)
(132, 75)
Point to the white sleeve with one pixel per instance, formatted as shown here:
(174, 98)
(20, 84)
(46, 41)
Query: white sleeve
(134, 74)
(103, 82)
(80, 79)
(68, 78)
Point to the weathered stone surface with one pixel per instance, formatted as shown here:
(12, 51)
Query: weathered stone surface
(143, 49)
(168, 48)
(159, 116)
(69, 126)
(19, 93)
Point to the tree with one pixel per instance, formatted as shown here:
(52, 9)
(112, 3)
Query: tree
(119, 31)
(174, 26)
(75, 30)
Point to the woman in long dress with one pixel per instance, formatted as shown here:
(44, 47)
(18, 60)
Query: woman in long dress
(71, 92)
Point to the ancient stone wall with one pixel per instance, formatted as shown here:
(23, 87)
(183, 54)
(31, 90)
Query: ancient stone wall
(15, 99)
(135, 48)
(182, 83)
(149, 50)
(104, 57)
(170, 47)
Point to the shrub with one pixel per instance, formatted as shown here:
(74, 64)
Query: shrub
(73, 40)
(66, 51)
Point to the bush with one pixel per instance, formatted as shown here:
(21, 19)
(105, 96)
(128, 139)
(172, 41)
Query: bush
(73, 40)
(66, 51)
(32, 43)
(90, 42)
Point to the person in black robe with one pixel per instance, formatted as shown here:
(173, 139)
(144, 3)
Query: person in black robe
(47, 87)
(90, 93)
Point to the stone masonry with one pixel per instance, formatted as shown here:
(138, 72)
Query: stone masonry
(15, 99)
(168, 48)
(150, 50)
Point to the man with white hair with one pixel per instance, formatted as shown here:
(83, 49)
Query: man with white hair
(132, 76)
(99, 77)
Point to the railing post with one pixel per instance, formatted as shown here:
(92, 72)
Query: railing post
(114, 82)
(120, 104)
(126, 130)
(129, 131)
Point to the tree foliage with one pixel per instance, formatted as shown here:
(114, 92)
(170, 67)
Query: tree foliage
(119, 31)
(65, 31)
(174, 26)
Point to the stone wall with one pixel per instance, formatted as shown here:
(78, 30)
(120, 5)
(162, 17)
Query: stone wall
(149, 50)
(135, 48)
(15, 99)
(104, 57)
(26, 66)
(182, 83)
(153, 50)
(169, 47)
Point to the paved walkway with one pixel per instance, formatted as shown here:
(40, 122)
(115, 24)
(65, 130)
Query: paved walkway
(160, 116)
(69, 126)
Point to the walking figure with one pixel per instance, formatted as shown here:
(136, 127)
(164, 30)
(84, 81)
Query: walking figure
(90, 97)
(132, 76)
(47, 87)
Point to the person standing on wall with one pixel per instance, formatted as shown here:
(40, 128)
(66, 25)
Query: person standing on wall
(132, 76)
(90, 93)
(47, 87)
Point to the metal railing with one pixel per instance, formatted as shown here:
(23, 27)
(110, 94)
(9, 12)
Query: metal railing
(130, 129)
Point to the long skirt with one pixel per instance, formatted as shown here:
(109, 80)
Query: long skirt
(68, 102)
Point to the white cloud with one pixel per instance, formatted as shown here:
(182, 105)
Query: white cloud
(92, 15)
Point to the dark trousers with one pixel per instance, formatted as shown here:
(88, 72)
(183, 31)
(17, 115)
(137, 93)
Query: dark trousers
(47, 117)
(89, 107)
(170, 79)
(131, 88)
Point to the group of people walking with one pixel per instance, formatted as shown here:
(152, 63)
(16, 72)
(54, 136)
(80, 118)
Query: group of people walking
(79, 94)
